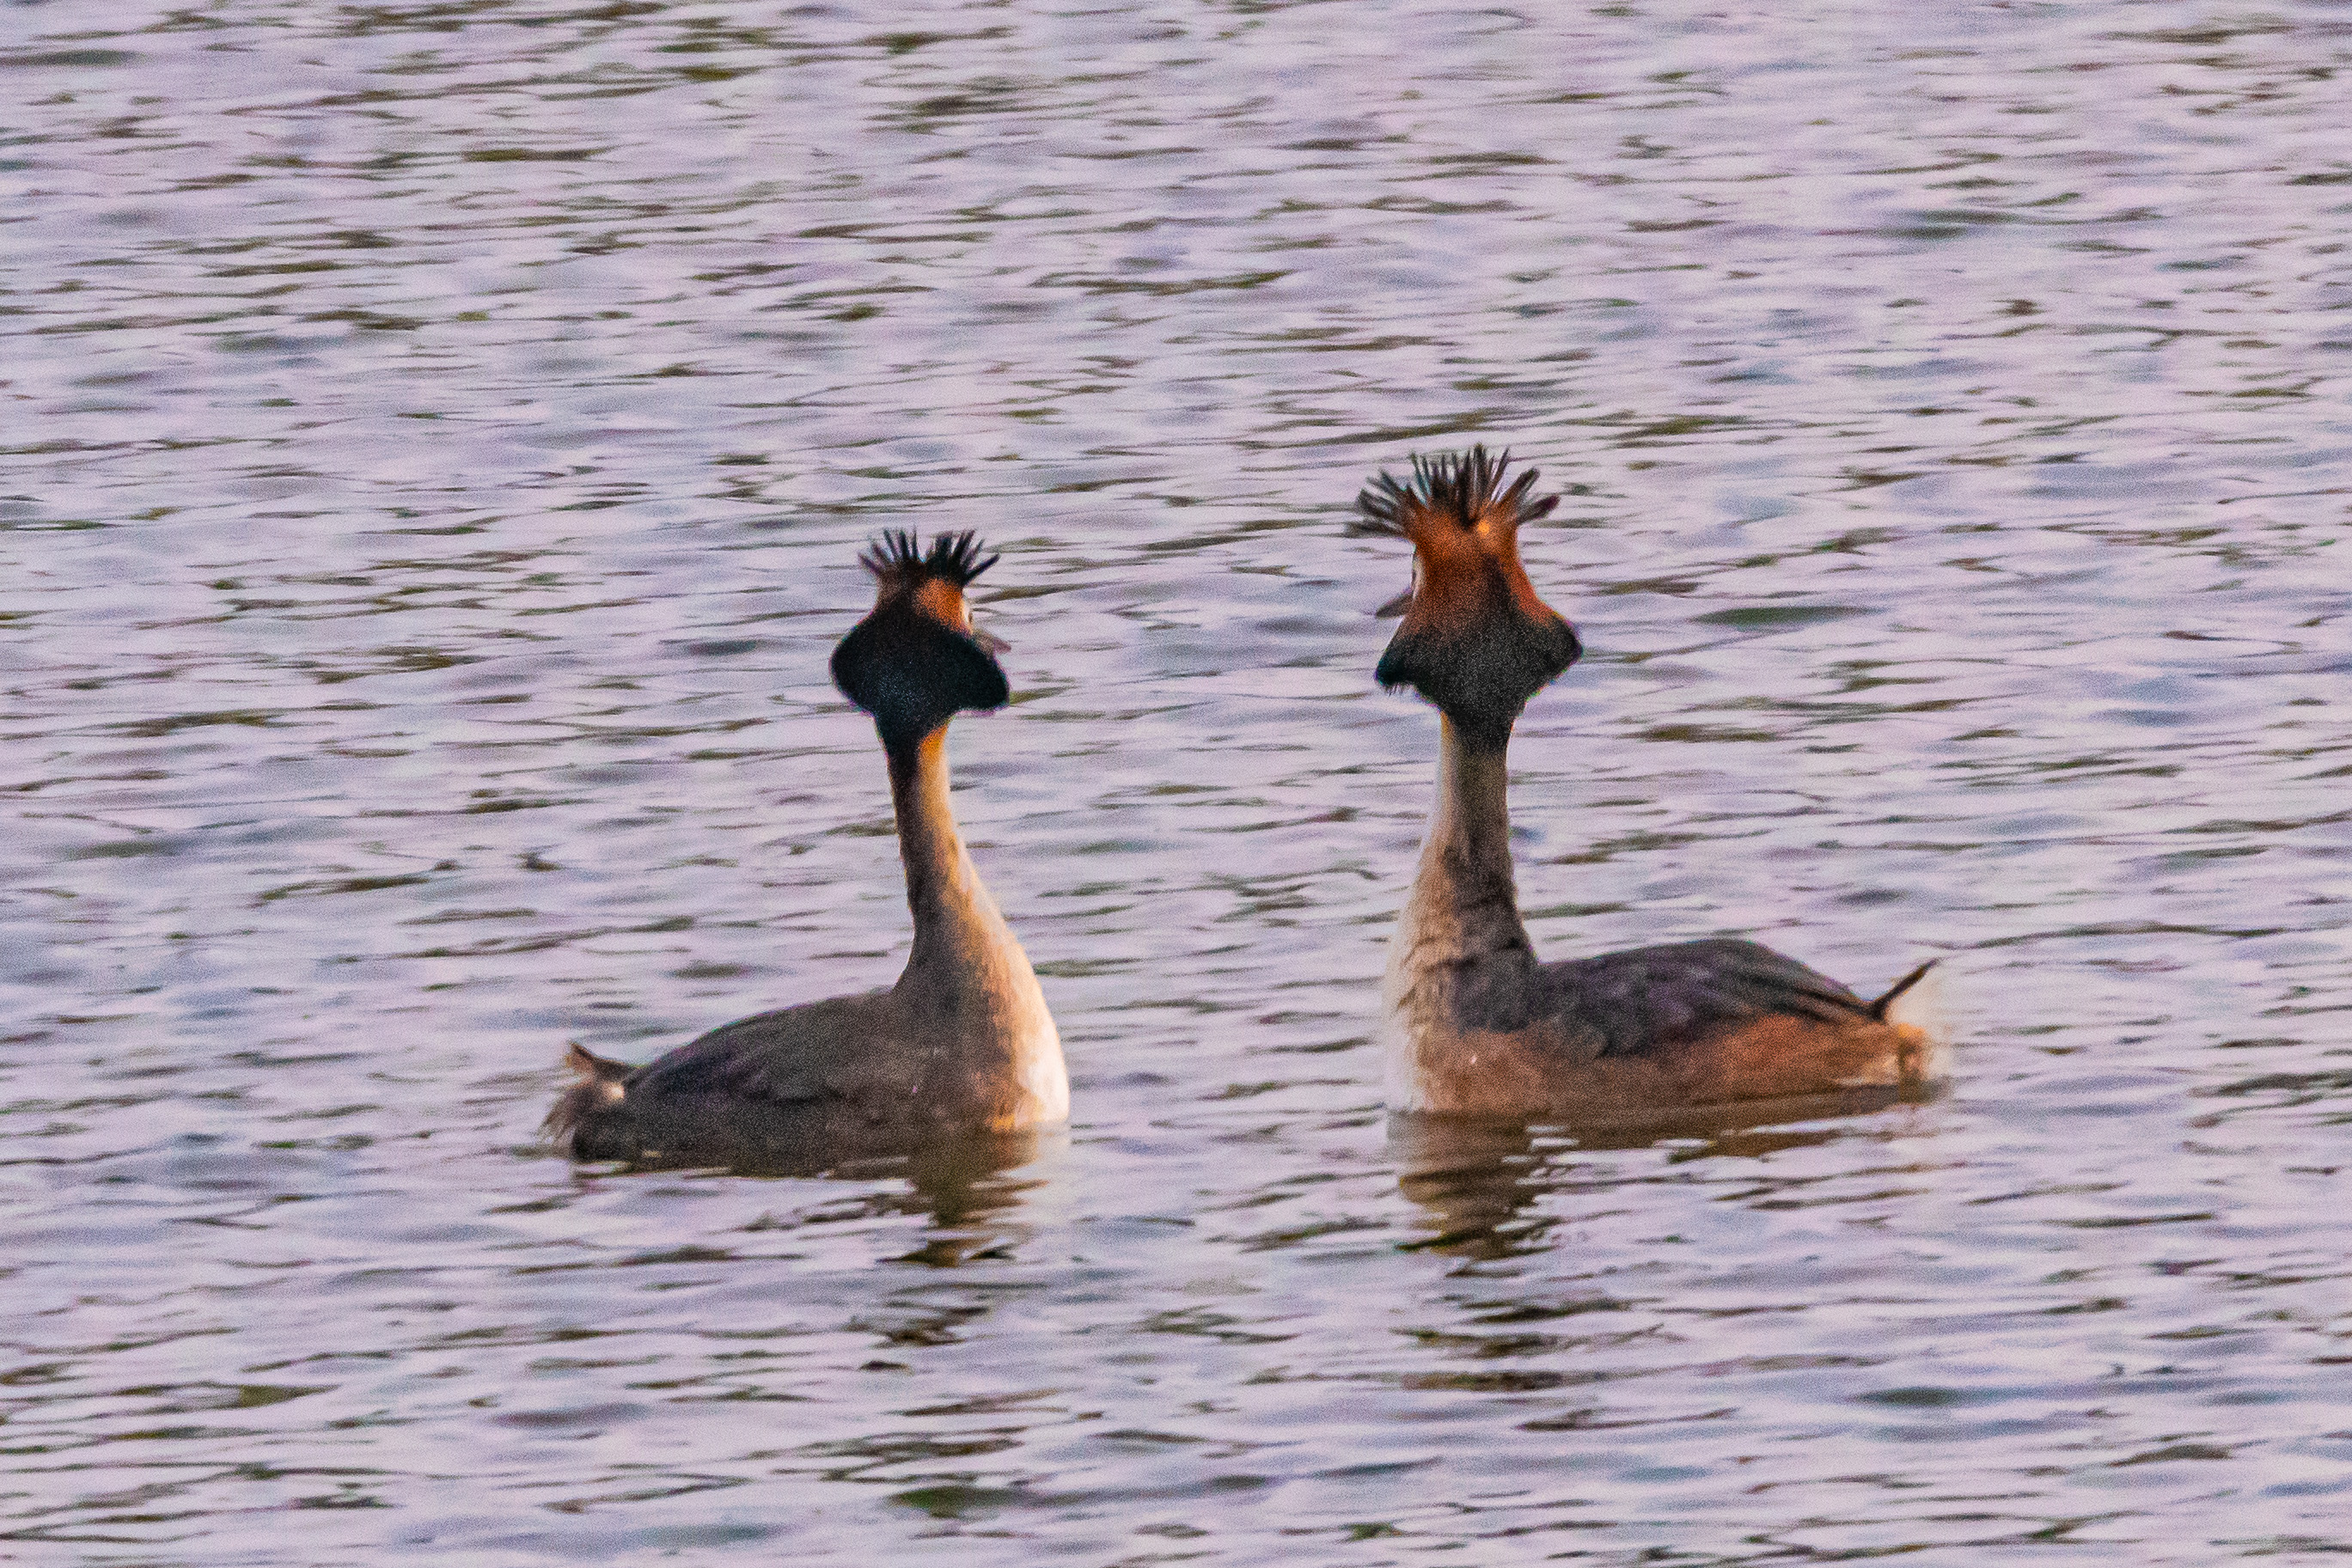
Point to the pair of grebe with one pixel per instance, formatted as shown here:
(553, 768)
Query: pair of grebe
(1471, 1024)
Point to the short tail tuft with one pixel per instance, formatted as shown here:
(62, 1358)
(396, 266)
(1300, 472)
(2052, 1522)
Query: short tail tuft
(1879, 1010)
(598, 1085)
(1914, 1006)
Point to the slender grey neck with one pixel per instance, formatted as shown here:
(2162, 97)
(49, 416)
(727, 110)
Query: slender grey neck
(960, 936)
(1465, 906)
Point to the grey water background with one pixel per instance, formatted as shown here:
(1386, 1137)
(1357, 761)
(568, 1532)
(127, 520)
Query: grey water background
(434, 441)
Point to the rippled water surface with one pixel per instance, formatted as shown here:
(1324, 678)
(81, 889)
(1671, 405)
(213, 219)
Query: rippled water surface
(434, 439)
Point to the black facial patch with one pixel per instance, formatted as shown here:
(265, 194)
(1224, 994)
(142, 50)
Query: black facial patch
(1481, 676)
(913, 675)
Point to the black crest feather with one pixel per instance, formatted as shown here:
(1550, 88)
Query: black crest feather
(897, 556)
(1458, 486)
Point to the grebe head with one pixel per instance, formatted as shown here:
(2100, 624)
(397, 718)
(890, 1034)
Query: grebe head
(916, 660)
(1477, 640)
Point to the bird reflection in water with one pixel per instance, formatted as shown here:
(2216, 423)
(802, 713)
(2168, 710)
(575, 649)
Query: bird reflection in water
(970, 1187)
(1475, 1179)
(973, 1195)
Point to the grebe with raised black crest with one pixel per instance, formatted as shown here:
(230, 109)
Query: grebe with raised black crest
(961, 1044)
(1471, 1023)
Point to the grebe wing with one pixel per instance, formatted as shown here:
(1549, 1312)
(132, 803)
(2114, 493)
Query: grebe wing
(1648, 998)
(792, 1056)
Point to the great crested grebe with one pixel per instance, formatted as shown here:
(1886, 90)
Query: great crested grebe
(1471, 1024)
(961, 1044)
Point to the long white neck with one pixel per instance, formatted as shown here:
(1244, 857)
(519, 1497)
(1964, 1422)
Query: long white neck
(967, 981)
(960, 934)
(1464, 903)
(1460, 960)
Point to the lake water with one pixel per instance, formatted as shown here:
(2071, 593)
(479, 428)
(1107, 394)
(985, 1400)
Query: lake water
(433, 442)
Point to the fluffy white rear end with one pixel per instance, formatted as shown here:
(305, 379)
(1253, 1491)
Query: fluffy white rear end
(1924, 1011)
